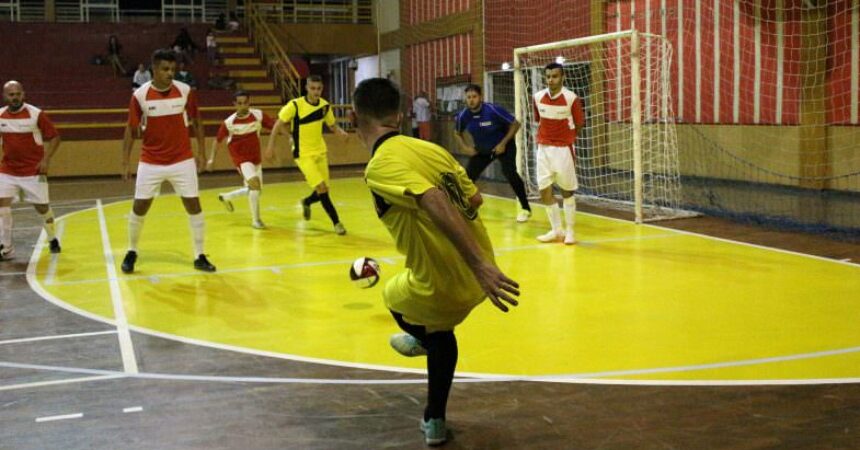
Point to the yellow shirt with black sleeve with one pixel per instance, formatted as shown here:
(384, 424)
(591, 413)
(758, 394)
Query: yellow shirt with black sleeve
(306, 121)
(437, 289)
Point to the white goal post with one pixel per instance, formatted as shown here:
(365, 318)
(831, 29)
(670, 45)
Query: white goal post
(627, 153)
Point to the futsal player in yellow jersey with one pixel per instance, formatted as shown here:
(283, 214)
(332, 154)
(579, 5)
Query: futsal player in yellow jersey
(430, 207)
(305, 117)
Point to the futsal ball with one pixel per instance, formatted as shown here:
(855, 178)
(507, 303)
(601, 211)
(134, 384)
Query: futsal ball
(365, 272)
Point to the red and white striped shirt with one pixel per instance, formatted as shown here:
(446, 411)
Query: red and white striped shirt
(243, 135)
(558, 117)
(164, 118)
(23, 134)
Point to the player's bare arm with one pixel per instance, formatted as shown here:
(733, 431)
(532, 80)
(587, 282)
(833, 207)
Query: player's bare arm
(127, 143)
(53, 145)
(458, 136)
(499, 288)
(210, 160)
(512, 131)
(269, 152)
(200, 157)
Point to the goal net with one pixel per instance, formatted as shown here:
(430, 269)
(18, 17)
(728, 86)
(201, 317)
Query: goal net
(627, 152)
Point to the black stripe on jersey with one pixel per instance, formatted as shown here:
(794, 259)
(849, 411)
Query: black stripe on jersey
(449, 185)
(381, 205)
(296, 130)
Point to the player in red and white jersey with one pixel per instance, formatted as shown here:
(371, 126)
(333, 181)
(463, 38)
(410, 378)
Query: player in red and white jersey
(163, 109)
(559, 112)
(241, 132)
(24, 167)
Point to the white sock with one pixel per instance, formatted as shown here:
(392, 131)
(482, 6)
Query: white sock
(254, 201)
(570, 211)
(197, 228)
(237, 193)
(554, 214)
(48, 224)
(6, 226)
(135, 226)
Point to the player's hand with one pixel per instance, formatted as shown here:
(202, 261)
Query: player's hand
(201, 164)
(209, 165)
(126, 172)
(498, 287)
(268, 154)
(471, 150)
(43, 167)
(342, 133)
(499, 149)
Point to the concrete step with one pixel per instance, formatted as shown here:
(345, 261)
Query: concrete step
(272, 99)
(242, 61)
(231, 39)
(233, 50)
(256, 85)
(248, 73)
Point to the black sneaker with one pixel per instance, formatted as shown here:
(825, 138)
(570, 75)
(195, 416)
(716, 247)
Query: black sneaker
(306, 210)
(55, 246)
(128, 261)
(201, 263)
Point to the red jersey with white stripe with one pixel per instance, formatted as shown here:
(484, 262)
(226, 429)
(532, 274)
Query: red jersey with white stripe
(243, 135)
(559, 117)
(23, 134)
(164, 117)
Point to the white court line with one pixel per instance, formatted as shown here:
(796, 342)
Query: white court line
(61, 336)
(132, 409)
(61, 417)
(58, 382)
(12, 274)
(55, 257)
(129, 362)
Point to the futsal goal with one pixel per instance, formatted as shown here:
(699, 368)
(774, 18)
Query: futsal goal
(627, 153)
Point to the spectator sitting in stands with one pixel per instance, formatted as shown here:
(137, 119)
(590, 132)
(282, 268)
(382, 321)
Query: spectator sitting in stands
(218, 79)
(183, 75)
(141, 76)
(113, 56)
(221, 23)
(184, 45)
(233, 24)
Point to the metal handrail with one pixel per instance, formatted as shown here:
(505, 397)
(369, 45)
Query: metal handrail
(277, 61)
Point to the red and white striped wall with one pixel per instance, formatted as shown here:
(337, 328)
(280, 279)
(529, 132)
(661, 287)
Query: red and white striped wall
(439, 58)
(425, 10)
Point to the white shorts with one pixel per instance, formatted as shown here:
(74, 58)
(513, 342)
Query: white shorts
(251, 170)
(555, 165)
(33, 189)
(182, 176)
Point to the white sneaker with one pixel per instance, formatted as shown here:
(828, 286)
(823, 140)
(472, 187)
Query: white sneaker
(569, 237)
(258, 225)
(551, 236)
(523, 215)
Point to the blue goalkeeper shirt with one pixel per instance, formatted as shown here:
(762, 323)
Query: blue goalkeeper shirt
(488, 126)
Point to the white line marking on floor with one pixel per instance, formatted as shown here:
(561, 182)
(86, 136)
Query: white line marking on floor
(129, 361)
(60, 336)
(55, 257)
(62, 417)
(132, 409)
(58, 382)
(12, 274)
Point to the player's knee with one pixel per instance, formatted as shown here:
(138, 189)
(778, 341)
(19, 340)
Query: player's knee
(42, 208)
(192, 205)
(141, 206)
(254, 183)
(322, 188)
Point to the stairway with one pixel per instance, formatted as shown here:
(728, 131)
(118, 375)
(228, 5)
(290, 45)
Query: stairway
(245, 66)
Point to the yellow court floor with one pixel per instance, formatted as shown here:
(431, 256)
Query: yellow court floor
(628, 302)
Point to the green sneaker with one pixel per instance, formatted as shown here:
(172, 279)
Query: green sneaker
(435, 432)
(406, 345)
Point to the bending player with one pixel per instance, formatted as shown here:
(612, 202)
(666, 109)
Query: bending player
(163, 108)
(241, 131)
(559, 112)
(430, 207)
(305, 116)
(24, 167)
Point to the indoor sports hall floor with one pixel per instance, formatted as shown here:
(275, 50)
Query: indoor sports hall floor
(637, 337)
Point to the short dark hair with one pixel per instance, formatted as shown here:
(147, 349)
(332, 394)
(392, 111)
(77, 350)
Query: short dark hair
(553, 66)
(315, 78)
(241, 93)
(378, 98)
(473, 88)
(163, 54)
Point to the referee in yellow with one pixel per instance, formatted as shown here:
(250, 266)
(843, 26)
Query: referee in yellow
(305, 117)
(430, 207)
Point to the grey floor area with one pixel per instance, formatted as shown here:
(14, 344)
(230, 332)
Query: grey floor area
(198, 414)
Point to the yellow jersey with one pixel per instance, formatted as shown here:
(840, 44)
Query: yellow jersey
(306, 121)
(437, 290)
